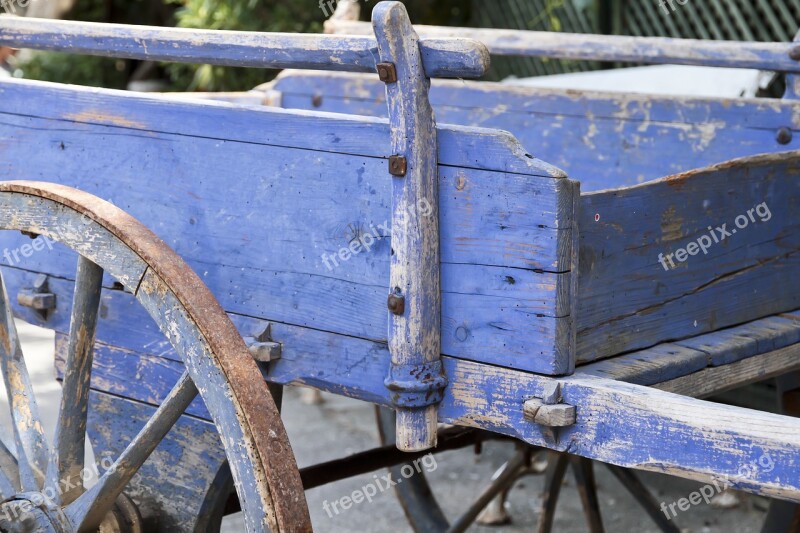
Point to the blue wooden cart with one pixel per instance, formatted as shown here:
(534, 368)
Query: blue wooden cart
(438, 270)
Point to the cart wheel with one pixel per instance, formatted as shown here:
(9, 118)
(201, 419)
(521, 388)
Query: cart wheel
(217, 363)
(426, 516)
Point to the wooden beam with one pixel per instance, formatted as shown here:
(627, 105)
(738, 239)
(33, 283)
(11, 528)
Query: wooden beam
(443, 58)
(575, 46)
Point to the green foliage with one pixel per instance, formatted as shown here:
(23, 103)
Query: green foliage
(96, 71)
(242, 15)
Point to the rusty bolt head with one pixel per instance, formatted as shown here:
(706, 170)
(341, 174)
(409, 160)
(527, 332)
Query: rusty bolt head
(396, 304)
(398, 166)
(316, 100)
(794, 53)
(387, 72)
(784, 136)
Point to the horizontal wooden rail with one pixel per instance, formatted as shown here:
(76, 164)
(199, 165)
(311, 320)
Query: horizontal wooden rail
(442, 58)
(615, 48)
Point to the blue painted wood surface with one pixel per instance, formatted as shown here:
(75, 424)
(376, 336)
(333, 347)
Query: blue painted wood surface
(634, 293)
(506, 236)
(414, 334)
(611, 48)
(175, 482)
(604, 140)
(443, 58)
(618, 423)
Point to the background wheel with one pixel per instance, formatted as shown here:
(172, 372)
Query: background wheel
(217, 365)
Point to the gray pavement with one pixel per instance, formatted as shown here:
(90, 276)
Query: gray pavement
(341, 426)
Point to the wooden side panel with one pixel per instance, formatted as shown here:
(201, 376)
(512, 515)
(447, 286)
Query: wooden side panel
(623, 424)
(688, 254)
(301, 237)
(605, 140)
(175, 481)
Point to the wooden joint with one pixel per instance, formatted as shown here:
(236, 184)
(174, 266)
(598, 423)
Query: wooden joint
(39, 298)
(549, 411)
(262, 347)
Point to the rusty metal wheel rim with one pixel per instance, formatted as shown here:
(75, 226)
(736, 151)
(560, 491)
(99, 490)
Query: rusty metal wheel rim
(216, 359)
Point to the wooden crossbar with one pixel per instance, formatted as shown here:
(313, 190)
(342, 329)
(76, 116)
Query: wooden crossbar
(613, 48)
(442, 58)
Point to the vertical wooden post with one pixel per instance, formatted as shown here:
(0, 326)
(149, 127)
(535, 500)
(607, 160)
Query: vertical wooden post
(793, 80)
(416, 378)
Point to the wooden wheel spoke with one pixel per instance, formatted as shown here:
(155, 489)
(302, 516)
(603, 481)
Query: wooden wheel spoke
(28, 431)
(67, 459)
(584, 477)
(552, 487)
(501, 482)
(9, 473)
(89, 509)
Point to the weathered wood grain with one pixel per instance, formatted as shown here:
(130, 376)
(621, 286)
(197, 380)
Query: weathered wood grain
(216, 358)
(415, 334)
(715, 380)
(173, 178)
(650, 366)
(605, 140)
(629, 301)
(611, 48)
(629, 425)
(452, 58)
(174, 484)
(67, 460)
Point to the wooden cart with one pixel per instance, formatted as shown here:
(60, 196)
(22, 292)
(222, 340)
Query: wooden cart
(438, 270)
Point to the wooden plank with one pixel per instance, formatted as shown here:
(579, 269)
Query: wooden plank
(169, 181)
(91, 507)
(723, 347)
(647, 367)
(453, 58)
(459, 146)
(629, 301)
(610, 48)
(715, 380)
(606, 140)
(175, 481)
(627, 425)
(415, 295)
(115, 368)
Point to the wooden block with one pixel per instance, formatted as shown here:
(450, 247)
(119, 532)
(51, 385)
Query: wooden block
(549, 415)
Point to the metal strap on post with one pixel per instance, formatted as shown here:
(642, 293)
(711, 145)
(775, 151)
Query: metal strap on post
(416, 378)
